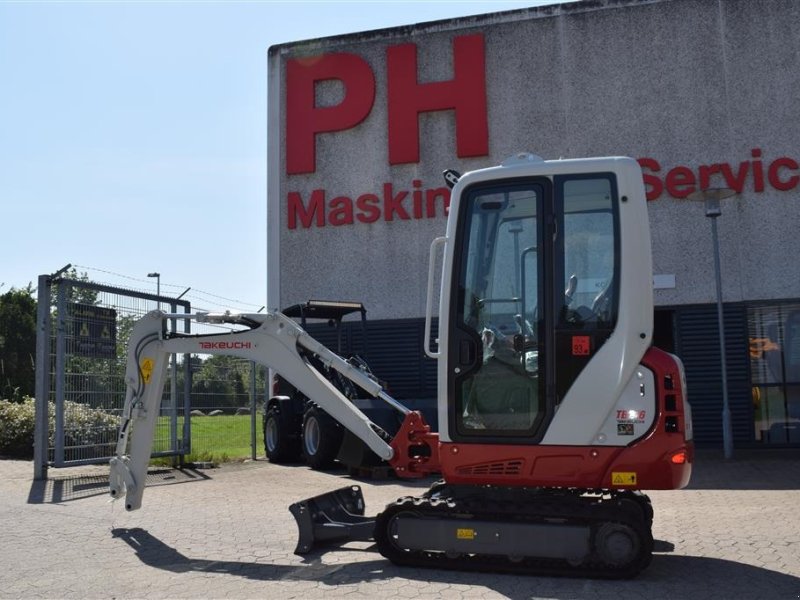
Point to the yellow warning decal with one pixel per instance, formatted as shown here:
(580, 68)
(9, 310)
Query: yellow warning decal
(623, 478)
(462, 533)
(146, 367)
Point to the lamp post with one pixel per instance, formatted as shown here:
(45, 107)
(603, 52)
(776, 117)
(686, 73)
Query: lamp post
(158, 286)
(711, 198)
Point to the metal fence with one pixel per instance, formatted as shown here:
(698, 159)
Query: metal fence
(82, 332)
(225, 397)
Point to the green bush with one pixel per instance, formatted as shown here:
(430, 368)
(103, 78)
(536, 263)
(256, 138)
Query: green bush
(83, 426)
(16, 428)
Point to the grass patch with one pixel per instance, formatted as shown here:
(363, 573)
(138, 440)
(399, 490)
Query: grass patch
(223, 438)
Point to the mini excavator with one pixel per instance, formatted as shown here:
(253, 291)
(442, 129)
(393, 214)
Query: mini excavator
(555, 412)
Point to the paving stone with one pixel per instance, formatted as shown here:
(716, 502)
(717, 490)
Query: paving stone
(734, 533)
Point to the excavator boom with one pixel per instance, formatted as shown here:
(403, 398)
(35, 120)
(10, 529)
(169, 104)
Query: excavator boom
(270, 339)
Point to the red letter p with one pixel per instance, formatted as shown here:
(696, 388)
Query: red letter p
(304, 120)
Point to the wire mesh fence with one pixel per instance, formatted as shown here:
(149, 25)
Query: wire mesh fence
(209, 404)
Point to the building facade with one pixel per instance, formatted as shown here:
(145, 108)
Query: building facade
(705, 94)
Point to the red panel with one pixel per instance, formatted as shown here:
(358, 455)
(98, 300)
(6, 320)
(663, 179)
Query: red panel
(536, 466)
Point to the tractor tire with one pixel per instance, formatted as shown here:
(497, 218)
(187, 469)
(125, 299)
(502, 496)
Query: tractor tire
(278, 445)
(322, 438)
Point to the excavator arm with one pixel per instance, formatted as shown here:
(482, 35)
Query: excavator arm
(274, 341)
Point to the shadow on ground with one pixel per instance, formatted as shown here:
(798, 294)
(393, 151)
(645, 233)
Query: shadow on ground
(57, 489)
(668, 576)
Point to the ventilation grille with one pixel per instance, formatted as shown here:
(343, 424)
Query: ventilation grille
(508, 468)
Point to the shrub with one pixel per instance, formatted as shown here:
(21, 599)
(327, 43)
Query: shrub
(16, 428)
(84, 426)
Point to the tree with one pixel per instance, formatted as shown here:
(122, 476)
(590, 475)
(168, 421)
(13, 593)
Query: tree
(77, 294)
(17, 344)
(220, 381)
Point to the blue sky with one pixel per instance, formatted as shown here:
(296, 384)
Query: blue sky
(133, 136)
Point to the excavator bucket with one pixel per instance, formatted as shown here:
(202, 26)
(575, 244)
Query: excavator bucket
(333, 518)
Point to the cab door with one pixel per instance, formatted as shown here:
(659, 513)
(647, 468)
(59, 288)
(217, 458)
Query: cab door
(533, 298)
(497, 340)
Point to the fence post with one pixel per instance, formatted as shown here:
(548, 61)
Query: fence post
(173, 395)
(253, 412)
(187, 391)
(41, 431)
(61, 367)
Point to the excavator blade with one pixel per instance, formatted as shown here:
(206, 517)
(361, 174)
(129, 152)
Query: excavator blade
(332, 518)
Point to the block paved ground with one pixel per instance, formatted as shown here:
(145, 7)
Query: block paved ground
(227, 533)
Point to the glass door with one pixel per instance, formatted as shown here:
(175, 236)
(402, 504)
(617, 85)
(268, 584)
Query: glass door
(496, 353)
(775, 371)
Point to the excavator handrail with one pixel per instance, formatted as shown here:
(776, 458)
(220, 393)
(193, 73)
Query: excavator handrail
(439, 241)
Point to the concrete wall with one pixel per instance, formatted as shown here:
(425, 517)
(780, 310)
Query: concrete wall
(682, 82)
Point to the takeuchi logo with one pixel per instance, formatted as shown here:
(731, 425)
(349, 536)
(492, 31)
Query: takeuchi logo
(225, 345)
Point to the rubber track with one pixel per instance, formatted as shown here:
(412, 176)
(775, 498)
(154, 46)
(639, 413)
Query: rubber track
(515, 506)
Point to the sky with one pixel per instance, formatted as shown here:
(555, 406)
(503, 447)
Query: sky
(133, 136)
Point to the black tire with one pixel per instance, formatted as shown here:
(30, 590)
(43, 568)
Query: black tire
(279, 446)
(322, 438)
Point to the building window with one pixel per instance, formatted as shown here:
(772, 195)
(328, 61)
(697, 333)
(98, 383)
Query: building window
(774, 332)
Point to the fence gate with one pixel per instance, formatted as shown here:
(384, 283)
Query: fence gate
(82, 334)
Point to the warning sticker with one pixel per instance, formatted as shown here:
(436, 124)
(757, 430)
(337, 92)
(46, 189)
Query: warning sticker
(462, 533)
(581, 345)
(623, 477)
(146, 367)
(624, 428)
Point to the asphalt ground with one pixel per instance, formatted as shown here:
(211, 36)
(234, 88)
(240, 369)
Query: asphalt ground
(227, 533)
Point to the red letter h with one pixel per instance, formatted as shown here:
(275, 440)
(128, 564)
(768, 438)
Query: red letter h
(466, 93)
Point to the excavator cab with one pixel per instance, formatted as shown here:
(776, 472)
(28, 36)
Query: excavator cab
(547, 311)
(535, 295)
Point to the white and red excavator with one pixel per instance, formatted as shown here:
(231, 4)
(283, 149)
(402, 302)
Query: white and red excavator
(554, 410)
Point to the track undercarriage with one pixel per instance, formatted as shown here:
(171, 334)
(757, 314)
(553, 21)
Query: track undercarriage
(603, 534)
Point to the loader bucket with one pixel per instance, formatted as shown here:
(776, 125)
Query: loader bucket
(335, 517)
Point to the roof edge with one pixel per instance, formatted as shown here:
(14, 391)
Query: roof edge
(408, 31)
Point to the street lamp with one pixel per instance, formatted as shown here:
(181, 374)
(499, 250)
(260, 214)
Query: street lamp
(711, 198)
(158, 286)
